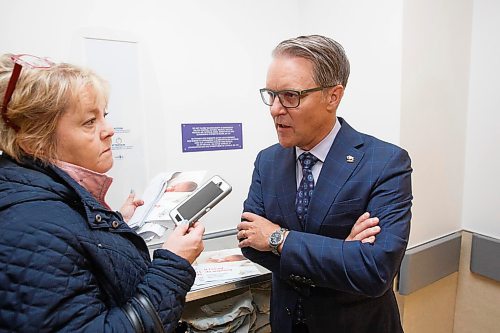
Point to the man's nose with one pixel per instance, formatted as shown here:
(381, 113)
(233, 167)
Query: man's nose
(277, 108)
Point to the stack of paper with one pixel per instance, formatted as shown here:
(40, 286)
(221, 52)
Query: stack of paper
(151, 195)
(167, 189)
(223, 266)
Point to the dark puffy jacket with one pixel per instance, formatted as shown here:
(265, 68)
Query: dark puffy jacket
(69, 264)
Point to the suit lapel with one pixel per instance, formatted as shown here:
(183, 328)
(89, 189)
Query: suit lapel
(286, 186)
(341, 161)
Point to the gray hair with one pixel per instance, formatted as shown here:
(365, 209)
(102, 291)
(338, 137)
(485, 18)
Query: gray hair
(330, 64)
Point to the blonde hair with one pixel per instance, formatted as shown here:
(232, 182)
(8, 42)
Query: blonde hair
(39, 100)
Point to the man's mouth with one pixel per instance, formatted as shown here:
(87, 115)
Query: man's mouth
(283, 126)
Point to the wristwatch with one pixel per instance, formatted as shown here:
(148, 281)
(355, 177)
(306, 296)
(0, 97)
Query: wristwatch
(275, 240)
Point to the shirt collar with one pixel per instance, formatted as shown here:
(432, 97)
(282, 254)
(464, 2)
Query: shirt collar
(321, 149)
(96, 183)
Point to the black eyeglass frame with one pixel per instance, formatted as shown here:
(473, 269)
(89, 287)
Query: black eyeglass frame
(299, 93)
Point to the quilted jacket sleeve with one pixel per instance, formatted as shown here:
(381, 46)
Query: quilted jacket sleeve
(166, 284)
(47, 283)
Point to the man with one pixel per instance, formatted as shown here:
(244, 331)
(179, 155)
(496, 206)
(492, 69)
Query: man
(301, 208)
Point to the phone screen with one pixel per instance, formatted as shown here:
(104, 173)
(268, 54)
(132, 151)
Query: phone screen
(199, 200)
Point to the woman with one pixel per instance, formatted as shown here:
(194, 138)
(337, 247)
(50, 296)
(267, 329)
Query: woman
(67, 261)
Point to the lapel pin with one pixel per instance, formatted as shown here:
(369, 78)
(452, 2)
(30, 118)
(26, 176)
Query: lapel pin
(349, 158)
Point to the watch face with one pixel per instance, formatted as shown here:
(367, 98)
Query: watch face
(275, 238)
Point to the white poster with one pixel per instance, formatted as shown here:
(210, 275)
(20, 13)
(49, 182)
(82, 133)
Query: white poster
(117, 62)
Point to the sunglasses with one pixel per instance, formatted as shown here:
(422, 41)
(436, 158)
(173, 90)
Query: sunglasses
(20, 61)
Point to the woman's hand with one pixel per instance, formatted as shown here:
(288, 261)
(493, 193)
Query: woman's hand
(128, 208)
(186, 241)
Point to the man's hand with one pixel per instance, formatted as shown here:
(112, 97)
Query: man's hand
(255, 232)
(365, 229)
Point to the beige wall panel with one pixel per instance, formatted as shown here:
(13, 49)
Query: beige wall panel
(478, 298)
(431, 309)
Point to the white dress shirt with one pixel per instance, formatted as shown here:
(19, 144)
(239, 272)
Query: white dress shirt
(320, 151)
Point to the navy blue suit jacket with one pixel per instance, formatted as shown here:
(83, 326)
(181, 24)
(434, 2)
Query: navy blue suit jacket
(346, 286)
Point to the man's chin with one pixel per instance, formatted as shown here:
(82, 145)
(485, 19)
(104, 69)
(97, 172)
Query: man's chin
(285, 143)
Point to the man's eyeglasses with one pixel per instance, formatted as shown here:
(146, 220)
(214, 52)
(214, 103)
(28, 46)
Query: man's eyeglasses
(287, 98)
(20, 61)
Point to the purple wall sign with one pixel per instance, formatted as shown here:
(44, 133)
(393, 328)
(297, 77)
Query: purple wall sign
(216, 136)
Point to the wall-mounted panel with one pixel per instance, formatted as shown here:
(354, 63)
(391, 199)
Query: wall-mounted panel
(429, 262)
(484, 256)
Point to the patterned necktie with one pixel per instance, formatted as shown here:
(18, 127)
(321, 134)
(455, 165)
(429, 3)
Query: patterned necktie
(306, 187)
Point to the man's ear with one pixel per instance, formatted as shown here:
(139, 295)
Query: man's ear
(334, 96)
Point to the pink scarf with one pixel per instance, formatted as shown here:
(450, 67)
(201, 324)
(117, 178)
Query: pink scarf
(96, 183)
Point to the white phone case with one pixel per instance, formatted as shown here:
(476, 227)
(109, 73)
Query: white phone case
(201, 201)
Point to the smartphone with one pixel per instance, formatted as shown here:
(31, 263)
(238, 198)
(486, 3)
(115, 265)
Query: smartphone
(201, 201)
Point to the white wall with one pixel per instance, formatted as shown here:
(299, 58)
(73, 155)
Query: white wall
(204, 61)
(435, 75)
(371, 33)
(482, 163)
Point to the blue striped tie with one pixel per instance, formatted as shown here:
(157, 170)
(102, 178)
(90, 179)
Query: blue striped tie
(306, 187)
